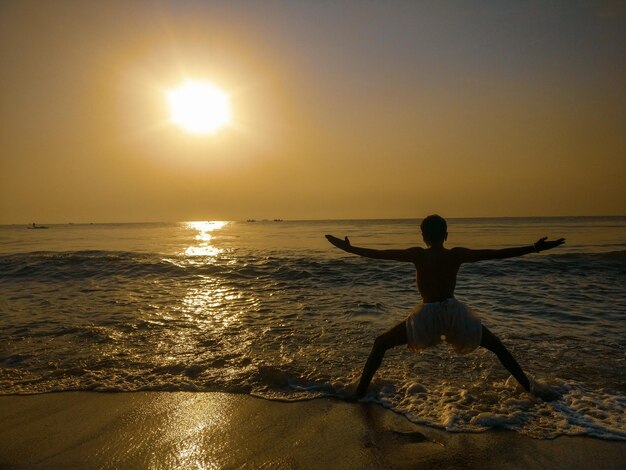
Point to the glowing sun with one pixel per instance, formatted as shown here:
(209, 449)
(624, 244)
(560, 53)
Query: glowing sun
(199, 107)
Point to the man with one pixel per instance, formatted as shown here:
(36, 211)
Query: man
(441, 317)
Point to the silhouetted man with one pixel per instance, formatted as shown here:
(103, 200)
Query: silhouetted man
(440, 317)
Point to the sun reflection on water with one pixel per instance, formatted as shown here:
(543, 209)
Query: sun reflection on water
(203, 238)
(205, 341)
(213, 299)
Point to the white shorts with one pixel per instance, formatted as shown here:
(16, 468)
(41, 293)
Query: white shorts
(451, 321)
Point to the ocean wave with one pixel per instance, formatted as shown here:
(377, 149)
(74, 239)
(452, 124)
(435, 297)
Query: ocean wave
(64, 266)
(619, 255)
(56, 266)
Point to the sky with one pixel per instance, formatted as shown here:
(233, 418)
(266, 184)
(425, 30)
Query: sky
(339, 110)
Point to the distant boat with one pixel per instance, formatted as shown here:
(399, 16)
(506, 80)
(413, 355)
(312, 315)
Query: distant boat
(250, 220)
(278, 220)
(34, 227)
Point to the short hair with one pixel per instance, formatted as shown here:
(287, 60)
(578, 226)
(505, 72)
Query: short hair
(434, 229)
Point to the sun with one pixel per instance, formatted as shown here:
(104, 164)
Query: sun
(199, 107)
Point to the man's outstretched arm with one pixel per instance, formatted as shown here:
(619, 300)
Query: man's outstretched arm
(395, 255)
(469, 256)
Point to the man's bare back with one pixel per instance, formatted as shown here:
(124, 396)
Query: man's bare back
(436, 270)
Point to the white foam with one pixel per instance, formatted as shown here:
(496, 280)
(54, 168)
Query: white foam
(505, 405)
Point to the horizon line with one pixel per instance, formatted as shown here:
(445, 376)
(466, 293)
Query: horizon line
(340, 219)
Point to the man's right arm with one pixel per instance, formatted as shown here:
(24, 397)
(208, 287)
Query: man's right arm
(408, 255)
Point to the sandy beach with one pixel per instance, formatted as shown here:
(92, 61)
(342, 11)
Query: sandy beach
(221, 430)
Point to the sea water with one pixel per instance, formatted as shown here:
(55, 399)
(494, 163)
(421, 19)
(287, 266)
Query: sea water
(273, 310)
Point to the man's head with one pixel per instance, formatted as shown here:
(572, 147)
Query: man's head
(434, 229)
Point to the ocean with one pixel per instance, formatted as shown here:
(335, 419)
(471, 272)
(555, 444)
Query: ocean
(271, 309)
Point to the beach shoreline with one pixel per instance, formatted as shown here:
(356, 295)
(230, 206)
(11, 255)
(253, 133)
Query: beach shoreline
(224, 430)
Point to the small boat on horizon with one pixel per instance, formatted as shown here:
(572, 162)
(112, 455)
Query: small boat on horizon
(34, 226)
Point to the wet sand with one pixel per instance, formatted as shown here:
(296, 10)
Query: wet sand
(221, 430)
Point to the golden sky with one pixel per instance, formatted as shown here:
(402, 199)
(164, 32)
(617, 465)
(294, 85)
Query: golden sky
(340, 110)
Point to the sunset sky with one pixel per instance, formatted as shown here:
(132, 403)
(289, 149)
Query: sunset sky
(339, 110)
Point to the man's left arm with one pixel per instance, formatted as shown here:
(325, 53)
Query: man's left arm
(467, 255)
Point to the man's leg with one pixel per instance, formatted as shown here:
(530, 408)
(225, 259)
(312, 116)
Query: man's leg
(396, 336)
(491, 342)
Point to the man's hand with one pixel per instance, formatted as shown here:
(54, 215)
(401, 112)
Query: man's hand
(339, 243)
(544, 244)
